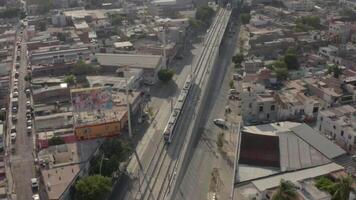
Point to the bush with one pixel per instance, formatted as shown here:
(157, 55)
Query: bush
(70, 79)
(55, 141)
(93, 188)
(81, 68)
(291, 61)
(165, 75)
(245, 18)
(238, 58)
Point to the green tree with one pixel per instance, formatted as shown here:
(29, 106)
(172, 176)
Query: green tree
(245, 18)
(70, 79)
(165, 75)
(28, 78)
(291, 61)
(325, 184)
(95, 187)
(115, 151)
(285, 191)
(343, 188)
(281, 73)
(42, 26)
(116, 19)
(205, 14)
(55, 141)
(194, 23)
(280, 64)
(62, 36)
(238, 58)
(231, 84)
(335, 70)
(2, 115)
(81, 68)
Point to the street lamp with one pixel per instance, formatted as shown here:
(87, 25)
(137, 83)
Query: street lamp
(101, 162)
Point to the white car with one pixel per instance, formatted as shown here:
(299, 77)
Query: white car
(29, 129)
(15, 94)
(220, 122)
(28, 104)
(34, 183)
(29, 122)
(36, 197)
(13, 136)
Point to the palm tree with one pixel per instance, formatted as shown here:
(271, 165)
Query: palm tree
(343, 188)
(286, 191)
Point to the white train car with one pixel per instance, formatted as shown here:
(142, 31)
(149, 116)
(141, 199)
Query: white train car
(169, 130)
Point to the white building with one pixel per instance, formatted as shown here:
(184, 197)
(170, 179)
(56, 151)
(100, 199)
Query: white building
(257, 104)
(339, 124)
(299, 5)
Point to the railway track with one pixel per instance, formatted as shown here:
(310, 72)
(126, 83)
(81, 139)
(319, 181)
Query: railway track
(162, 167)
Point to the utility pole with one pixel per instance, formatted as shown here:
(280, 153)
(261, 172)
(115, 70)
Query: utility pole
(164, 61)
(130, 132)
(128, 102)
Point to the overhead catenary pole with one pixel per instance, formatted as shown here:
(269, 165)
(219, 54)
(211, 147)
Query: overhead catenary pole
(130, 131)
(164, 60)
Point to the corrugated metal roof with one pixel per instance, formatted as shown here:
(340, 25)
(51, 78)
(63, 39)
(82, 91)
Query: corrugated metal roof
(319, 142)
(273, 182)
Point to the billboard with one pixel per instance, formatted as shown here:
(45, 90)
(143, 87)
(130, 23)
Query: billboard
(91, 99)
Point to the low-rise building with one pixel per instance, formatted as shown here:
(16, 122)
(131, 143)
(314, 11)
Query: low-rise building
(98, 112)
(339, 124)
(150, 64)
(48, 94)
(59, 54)
(257, 104)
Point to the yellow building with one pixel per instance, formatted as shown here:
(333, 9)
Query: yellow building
(99, 112)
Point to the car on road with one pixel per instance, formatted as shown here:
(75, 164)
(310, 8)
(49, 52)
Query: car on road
(28, 104)
(17, 74)
(29, 129)
(13, 134)
(17, 65)
(234, 92)
(34, 183)
(220, 123)
(28, 92)
(28, 116)
(29, 122)
(14, 109)
(14, 118)
(15, 94)
(36, 197)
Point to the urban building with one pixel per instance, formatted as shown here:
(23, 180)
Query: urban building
(150, 64)
(339, 124)
(98, 112)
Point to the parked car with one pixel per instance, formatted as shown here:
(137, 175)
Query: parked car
(220, 122)
(34, 183)
(28, 104)
(36, 197)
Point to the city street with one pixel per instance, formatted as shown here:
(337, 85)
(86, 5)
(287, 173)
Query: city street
(206, 156)
(22, 160)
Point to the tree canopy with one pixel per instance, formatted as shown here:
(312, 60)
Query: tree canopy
(205, 14)
(55, 141)
(70, 79)
(245, 18)
(291, 61)
(165, 75)
(340, 190)
(335, 70)
(306, 23)
(81, 68)
(115, 151)
(281, 70)
(95, 187)
(238, 58)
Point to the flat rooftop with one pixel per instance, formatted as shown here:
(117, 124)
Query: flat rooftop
(57, 180)
(130, 60)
